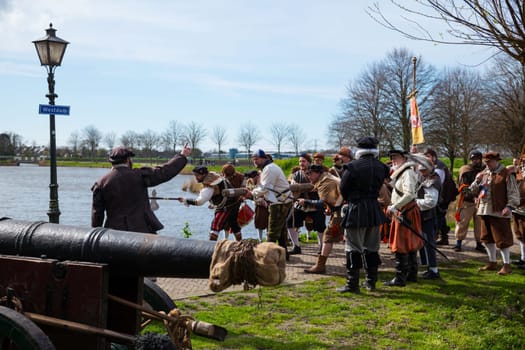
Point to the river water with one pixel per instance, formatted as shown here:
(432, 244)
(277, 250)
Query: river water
(25, 196)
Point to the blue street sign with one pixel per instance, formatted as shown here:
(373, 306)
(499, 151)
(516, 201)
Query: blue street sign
(50, 109)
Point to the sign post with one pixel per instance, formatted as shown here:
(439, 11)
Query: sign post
(53, 109)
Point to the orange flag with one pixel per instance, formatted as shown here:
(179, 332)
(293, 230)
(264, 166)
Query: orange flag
(415, 121)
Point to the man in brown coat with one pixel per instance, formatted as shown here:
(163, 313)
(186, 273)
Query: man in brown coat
(121, 196)
(498, 196)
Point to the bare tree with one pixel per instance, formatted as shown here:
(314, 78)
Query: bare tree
(492, 23)
(109, 139)
(337, 132)
(219, 137)
(296, 137)
(506, 81)
(247, 136)
(129, 139)
(172, 136)
(74, 141)
(399, 84)
(458, 107)
(365, 109)
(150, 141)
(91, 137)
(377, 103)
(279, 133)
(9, 143)
(194, 134)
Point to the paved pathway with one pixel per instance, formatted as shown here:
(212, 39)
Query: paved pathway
(180, 288)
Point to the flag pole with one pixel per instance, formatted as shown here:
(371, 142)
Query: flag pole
(417, 131)
(414, 91)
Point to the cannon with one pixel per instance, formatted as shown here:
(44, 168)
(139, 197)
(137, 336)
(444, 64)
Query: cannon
(79, 285)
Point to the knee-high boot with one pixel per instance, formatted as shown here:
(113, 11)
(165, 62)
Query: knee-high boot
(353, 263)
(412, 267)
(400, 278)
(372, 261)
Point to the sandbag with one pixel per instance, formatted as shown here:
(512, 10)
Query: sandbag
(246, 262)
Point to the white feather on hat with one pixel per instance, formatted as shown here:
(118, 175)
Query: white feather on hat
(421, 160)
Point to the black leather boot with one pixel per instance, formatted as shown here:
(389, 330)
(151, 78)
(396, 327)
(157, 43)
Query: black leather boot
(400, 278)
(353, 264)
(412, 267)
(372, 263)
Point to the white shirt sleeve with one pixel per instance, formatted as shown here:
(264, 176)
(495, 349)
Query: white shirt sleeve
(204, 195)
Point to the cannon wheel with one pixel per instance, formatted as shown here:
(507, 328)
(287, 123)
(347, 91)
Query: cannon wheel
(17, 332)
(156, 297)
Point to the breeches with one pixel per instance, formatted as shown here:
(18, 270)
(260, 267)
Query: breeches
(278, 213)
(468, 212)
(334, 232)
(428, 252)
(298, 218)
(496, 230)
(221, 218)
(362, 239)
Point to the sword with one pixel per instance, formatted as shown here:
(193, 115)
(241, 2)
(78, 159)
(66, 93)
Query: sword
(405, 223)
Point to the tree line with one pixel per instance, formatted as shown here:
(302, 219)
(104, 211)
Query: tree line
(91, 142)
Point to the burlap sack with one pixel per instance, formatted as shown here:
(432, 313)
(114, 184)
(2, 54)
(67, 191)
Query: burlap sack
(240, 262)
(270, 264)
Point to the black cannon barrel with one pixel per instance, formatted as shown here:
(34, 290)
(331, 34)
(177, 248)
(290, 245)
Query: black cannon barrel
(129, 252)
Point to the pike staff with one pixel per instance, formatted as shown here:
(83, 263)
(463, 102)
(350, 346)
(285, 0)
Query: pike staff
(403, 221)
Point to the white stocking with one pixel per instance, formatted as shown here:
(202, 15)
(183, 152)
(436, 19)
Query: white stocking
(491, 251)
(505, 255)
(294, 236)
(260, 231)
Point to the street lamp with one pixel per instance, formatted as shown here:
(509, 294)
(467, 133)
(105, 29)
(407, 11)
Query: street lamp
(50, 51)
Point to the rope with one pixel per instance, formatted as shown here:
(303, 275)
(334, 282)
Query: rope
(179, 330)
(12, 303)
(243, 259)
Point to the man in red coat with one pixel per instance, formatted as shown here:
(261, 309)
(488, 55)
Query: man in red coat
(121, 196)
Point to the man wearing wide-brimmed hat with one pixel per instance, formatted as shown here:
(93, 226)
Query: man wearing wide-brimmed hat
(121, 196)
(498, 195)
(403, 243)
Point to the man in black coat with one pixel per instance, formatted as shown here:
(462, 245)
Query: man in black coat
(121, 196)
(360, 184)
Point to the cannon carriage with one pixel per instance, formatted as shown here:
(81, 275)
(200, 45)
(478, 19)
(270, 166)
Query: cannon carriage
(67, 287)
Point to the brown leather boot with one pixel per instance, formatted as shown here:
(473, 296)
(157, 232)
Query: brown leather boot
(491, 266)
(319, 267)
(238, 236)
(505, 270)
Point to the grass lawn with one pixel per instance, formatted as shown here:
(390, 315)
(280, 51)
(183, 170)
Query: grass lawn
(466, 309)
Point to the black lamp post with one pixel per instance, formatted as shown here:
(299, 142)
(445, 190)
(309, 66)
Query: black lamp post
(50, 51)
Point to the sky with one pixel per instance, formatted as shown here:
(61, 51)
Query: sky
(139, 64)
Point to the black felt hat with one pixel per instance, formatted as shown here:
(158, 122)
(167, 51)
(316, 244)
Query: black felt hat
(367, 142)
(475, 155)
(397, 151)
